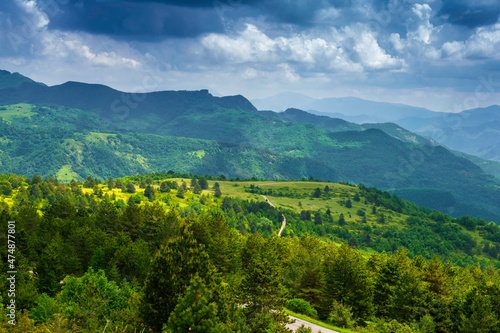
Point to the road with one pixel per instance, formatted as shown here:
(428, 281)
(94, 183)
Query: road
(315, 328)
(283, 224)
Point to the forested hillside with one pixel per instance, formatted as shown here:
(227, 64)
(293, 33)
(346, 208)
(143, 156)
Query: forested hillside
(77, 130)
(101, 255)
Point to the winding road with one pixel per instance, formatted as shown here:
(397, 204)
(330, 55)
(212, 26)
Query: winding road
(315, 328)
(298, 322)
(283, 224)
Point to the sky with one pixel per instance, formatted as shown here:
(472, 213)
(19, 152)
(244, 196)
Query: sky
(440, 54)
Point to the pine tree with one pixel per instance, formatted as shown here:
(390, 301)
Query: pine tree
(203, 183)
(317, 193)
(89, 182)
(171, 271)
(130, 187)
(149, 193)
(180, 192)
(262, 285)
(197, 189)
(317, 218)
(217, 192)
(37, 180)
(195, 311)
(342, 220)
(132, 220)
(111, 183)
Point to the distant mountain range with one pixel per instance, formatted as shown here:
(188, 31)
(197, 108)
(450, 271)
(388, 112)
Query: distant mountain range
(75, 130)
(475, 132)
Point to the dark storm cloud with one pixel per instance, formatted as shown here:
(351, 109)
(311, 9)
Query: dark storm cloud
(136, 20)
(471, 14)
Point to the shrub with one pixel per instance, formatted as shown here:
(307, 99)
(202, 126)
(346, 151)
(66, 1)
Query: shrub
(341, 315)
(302, 306)
(303, 329)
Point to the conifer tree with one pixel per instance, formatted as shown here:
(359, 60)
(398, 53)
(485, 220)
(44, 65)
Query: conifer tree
(203, 183)
(348, 280)
(197, 189)
(149, 193)
(195, 311)
(111, 183)
(262, 285)
(342, 220)
(171, 271)
(130, 187)
(89, 182)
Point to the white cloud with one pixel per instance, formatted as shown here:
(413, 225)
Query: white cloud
(397, 43)
(424, 30)
(325, 53)
(371, 55)
(250, 46)
(109, 59)
(39, 18)
(483, 44)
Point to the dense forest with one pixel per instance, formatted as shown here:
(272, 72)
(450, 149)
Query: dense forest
(172, 252)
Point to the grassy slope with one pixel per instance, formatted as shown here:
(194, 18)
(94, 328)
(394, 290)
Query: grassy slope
(394, 222)
(21, 110)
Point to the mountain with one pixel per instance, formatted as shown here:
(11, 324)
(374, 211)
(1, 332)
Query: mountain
(15, 80)
(75, 130)
(475, 131)
(348, 108)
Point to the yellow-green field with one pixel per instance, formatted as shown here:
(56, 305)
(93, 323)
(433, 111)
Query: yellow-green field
(8, 112)
(336, 206)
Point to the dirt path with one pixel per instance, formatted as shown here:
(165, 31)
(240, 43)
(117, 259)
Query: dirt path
(283, 224)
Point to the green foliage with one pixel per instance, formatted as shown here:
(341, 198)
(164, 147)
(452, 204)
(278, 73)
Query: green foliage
(171, 270)
(5, 188)
(303, 329)
(262, 267)
(194, 311)
(348, 280)
(130, 188)
(149, 193)
(45, 308)
(69, 229)
(302, 306)
(341, 315)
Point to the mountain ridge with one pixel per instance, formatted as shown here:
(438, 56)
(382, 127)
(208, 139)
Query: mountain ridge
(96, 137)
